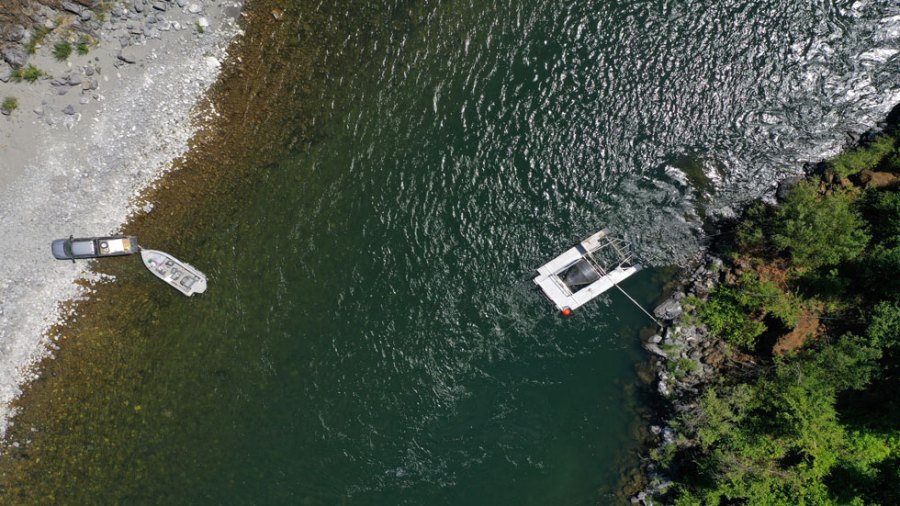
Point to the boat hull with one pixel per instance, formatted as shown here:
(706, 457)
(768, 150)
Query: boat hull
(179, 275)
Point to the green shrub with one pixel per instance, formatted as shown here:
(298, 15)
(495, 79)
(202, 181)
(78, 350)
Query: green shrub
(756, 294)
(819, 231)
(725, 317)
(868, 157)
(751, 231)
(29, 73)
(62, 50)
(37, 36)
(9, 105)
(883, 212)
(83, 46)
(884, 327)
(681, 367)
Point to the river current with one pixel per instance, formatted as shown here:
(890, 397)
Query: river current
(371, 334)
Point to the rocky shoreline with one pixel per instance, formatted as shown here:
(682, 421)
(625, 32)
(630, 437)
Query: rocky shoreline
(686, 358)
(84, 139)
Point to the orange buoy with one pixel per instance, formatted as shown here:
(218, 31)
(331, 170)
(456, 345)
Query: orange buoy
(566, 311)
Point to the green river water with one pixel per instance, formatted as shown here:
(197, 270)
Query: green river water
(371, 334)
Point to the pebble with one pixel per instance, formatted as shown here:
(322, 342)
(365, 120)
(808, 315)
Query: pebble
(85, 100)
(70, 110)
(74, 80)
(194, 9)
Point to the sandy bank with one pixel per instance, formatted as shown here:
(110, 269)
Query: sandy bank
(84, 141)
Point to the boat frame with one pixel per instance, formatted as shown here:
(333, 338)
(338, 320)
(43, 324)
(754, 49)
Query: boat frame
(619, 268)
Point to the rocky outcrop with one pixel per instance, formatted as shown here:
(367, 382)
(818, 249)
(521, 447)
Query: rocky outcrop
(686, 357)
(879, 180)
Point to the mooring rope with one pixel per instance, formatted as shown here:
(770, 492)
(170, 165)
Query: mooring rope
(638, 305)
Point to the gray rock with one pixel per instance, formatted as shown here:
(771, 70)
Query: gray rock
(181, 3)
(785, 186)
(70, 110)
(194, 8)
(654, 349)
(663, 388)
(5, 112)
(14, 55)
(74, 80)
(87, 15)
(669, 310)
(138, 5)
(94, 84)
(655, 339)
(72, 7)
(62, 90)
(125, 57)
(89, 71)
(84, 100)
(160, 6)
(39, 110)
(14, 33)
(5, 72)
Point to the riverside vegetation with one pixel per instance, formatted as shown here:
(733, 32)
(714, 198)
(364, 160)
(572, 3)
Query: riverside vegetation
(808, 303)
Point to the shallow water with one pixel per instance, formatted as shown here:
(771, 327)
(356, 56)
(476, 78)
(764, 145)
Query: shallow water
(371, 333)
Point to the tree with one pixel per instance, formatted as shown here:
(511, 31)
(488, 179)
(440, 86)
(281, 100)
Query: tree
(819, 231)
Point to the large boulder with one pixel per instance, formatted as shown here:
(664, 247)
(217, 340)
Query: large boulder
(12, 33)
(670, 309)
(14, 55)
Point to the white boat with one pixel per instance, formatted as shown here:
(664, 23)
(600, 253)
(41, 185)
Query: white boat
(585, 271)
(183, 276)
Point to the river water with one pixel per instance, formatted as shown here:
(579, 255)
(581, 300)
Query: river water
(371, 334)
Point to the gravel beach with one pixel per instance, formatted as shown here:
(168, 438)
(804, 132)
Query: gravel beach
(85, 139)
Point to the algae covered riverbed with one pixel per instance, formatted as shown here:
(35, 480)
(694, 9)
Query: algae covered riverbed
(369, 208)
